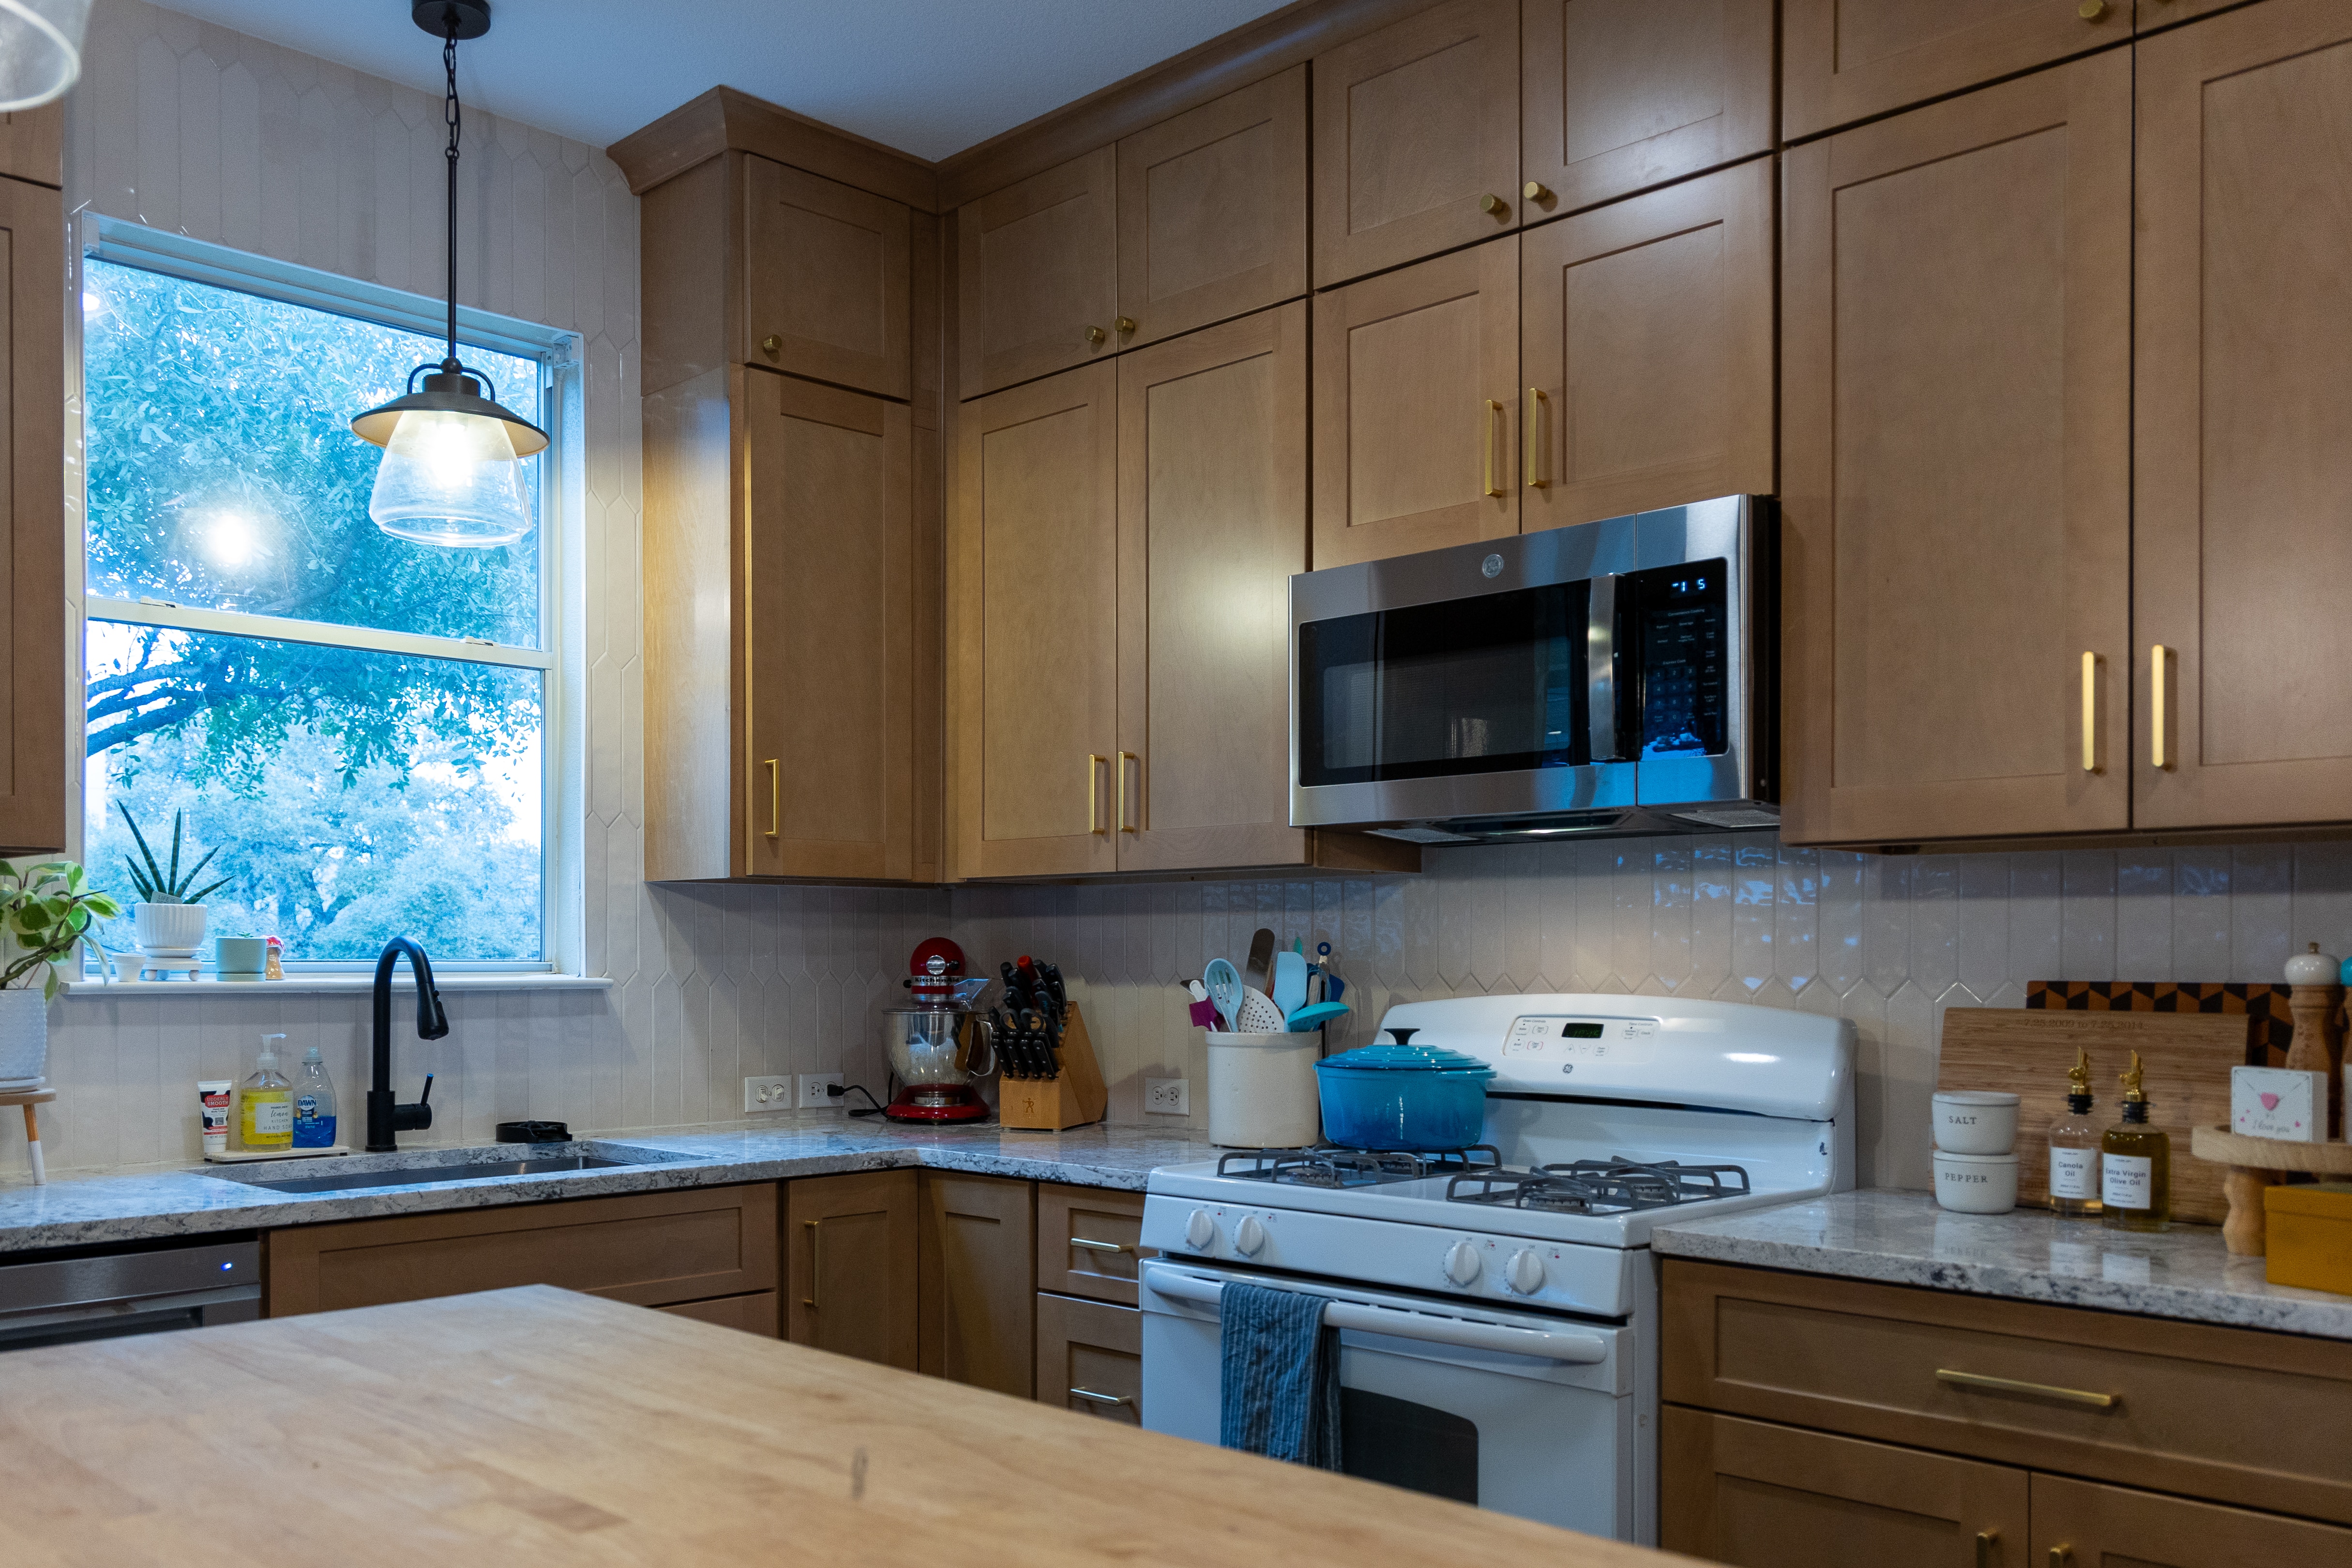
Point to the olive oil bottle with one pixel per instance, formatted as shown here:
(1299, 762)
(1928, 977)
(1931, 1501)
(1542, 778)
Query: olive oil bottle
(2136, 1165)
(2074, 1141)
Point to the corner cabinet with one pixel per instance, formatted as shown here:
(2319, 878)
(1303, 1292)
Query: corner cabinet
(850, 1274)
(34, 702)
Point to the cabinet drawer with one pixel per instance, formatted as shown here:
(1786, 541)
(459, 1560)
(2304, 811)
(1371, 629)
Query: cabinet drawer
(650, 1249)
(754, 1313)
(1090, 1358)
(1086, 1242)
(2241, 1416)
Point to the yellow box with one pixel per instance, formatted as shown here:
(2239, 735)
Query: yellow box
(2309, 1235)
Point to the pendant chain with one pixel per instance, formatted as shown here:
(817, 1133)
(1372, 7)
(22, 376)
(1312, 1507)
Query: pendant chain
(450, 118)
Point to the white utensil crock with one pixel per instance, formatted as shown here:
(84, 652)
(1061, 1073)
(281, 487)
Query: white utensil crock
(1261, 1092)
(169, 930)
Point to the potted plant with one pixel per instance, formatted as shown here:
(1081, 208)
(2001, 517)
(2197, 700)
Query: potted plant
(170, 917)
(44, 909)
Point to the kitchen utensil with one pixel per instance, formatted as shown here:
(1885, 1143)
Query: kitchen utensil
(1070, 1094)
(1289, 992)
(1260, 970)
(1262, 1091)
(1224, 989)
(1056, 992)
(1403, 1097)
(1257, 1014)
(928, 1052)
(1315, 1015)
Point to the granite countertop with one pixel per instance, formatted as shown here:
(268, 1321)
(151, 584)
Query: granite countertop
(193, 1200)
(2028, 1255)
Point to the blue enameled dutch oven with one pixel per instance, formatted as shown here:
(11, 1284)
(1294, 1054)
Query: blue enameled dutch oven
(1402, 1095)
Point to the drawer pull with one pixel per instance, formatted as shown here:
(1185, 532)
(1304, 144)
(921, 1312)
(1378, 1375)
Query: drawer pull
(2061, 1556)
(816, 1260)
(1986, 1540)
(1099, 1398)
(2037, 1390)
(1092, 1246)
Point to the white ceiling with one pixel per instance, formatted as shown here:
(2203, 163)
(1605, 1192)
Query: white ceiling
(929, 77)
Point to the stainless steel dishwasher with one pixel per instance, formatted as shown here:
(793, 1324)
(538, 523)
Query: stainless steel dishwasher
(97, 1293)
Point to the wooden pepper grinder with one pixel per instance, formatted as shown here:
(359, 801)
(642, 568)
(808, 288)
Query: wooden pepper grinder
(2318, 1047)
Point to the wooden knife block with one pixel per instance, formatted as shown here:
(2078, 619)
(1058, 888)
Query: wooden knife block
(1050, 1104)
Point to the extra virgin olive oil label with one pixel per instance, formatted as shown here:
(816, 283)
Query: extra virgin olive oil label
(2125, 1181)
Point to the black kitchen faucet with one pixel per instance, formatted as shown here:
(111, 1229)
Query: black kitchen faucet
(383, 1116)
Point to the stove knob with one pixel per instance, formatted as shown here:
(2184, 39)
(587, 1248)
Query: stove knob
(1461, 1262)
(1200, 1231)
(1248, 1236)
(1525, 1271)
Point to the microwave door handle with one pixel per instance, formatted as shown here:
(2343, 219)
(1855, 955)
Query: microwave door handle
(1600, 667)
(1579, 1349)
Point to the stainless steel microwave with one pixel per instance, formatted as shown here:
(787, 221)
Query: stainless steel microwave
(1619, 677)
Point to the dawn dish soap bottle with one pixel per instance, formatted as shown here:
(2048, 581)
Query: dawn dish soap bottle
(314, 1104)
(265, 1102)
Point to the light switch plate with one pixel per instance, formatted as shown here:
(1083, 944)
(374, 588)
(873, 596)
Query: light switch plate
(813, 1094)
(1168, 1097)
(773, 1091)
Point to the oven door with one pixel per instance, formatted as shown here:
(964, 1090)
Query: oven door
(1519, 1412)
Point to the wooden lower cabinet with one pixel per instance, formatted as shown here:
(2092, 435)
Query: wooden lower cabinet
(850, 1275)
(2079, 1525)
(1090, 1358)
(1088, 1242)
(977, 1239)
(709, 1251)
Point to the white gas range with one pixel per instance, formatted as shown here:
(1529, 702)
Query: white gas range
(1497, 1306)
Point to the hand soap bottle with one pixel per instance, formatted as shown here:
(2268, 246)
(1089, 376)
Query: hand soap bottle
(2074, 1143)
(2136, 1165)
(265, 1102)
(314, 1104)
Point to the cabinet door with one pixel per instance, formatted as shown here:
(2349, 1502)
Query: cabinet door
(829, 663)
(1416, 379)
(1954, 476)
(32, 144)
(1089, 1242)
(1761, 1496)
(825, 279)
(978, 1306)
(1645, 342)
(1032, 590)
(1416, 138)
(2077, 1524)
(849, 1265)
(1212, 524)
(33, 698)
(1840, 61)
(1619, 95)
(1038, 275)
(1090, 1358)
(1213, 211)
(2243, 434)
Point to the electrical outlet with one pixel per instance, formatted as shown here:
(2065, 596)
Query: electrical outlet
(770, 1093)
(1167, 1097)
(813, 1094)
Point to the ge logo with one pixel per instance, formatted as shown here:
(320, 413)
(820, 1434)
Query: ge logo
(1569, 1068)
(1492, 567)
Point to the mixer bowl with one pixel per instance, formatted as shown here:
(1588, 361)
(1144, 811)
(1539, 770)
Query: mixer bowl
(926, 1045)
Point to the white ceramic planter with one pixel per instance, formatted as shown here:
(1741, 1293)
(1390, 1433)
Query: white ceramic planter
(169, 930)
(24, 1034)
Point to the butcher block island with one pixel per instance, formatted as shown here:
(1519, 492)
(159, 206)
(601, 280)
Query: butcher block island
(538, 1425)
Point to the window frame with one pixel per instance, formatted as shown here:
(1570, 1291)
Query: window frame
(559, 354)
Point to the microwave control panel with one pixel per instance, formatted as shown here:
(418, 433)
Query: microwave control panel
(1686, 700)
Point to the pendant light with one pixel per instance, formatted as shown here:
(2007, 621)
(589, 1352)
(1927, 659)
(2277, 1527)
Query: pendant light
(452, 468)
(41, 50)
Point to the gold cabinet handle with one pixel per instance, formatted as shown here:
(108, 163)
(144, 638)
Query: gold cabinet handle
(1118, 789)
(1488, 433)
(1491, 203)
(2090, 713)
(1536, 439)
(1094, 334)
(2033, 1390)
(1099, 1398)
(1536, 191)
(2160, 754)
(2060, 1556)
(775, 798)
(1986, 1539)
(773, 344)
(1092, 1246)
(2092, 10)
(1124, 323)
(1094, 760)
(816, 1260)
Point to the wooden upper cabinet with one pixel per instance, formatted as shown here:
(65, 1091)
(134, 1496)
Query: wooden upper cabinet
(1212, 524)
(1416, 383)
(2243, 433)
(1417, 138)
(850, 1278)
(1956, 405)
(1619, 95)
(1038, 283)
(829, 623)
(1213, 211)
(1843, 60)
(32, 144)
(33, 697)
(825, 279)
(2081, 1525)
(1645, 345)
(1032, 554)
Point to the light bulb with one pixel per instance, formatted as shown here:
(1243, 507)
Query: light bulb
(230, 540)
(451, 478)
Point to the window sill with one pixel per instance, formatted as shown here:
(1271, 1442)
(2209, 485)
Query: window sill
(333, 985)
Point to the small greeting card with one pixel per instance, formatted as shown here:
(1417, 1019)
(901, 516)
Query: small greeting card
(2273, 1103)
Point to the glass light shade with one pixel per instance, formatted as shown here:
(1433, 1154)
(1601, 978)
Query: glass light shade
(451, 478)
(41, 50)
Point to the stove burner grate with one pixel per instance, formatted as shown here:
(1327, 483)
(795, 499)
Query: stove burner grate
(1327, 1165)
(1615, 1185)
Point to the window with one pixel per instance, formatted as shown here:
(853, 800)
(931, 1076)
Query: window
(356, 725)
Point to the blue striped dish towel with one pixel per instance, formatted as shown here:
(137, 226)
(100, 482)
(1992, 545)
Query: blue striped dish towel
(1278, 1392)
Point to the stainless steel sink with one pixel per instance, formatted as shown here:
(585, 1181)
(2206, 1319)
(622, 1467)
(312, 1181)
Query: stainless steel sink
(419, 1176)
(354, 1173)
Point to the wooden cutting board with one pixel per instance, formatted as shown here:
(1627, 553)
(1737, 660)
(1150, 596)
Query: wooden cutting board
(2187, 1057)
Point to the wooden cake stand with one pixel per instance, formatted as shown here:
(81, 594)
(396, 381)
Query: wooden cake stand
(2256, 1163)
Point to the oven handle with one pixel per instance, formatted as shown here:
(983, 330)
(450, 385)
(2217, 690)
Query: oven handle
(1582, 1349)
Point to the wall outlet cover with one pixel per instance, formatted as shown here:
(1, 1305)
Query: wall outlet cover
(773, 1091)
(813, 1096)
(1168, 1097)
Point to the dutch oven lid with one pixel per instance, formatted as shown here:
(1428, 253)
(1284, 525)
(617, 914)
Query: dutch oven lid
(1397, 1058)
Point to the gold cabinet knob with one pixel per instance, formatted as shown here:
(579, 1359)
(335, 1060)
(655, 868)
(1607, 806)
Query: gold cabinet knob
(1124, 323)
(1491, 203)
(1536, 191)
(2092, 10)
(773, 344)
(1094, 334)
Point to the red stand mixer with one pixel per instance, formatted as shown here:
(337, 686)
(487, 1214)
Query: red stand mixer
(933, 1042)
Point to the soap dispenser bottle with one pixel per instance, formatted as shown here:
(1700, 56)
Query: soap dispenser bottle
(2136, 1165)
(265, 1102)
(2074, 1141)
(314, 1104)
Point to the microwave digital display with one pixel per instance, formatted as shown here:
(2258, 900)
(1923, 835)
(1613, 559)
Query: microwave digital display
(1685, 711)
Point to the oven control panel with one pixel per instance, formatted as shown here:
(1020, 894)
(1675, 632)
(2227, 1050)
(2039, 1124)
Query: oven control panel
(1561, 1039)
